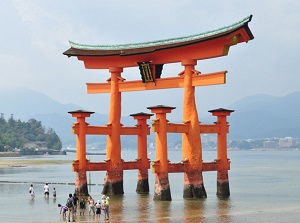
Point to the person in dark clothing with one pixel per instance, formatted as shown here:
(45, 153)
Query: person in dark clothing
(70, 205)
(75, 198)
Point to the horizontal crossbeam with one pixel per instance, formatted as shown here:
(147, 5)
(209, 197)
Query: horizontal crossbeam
(106, 130)
(211, 128)
(171, 127)
(162, 83)
(184, 167)
(135, 165)
(102, 166)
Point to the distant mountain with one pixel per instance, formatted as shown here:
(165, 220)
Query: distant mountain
(262, 115)
(255, 116)
(25, 104)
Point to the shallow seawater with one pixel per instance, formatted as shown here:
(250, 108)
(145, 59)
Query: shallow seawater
(264, 187)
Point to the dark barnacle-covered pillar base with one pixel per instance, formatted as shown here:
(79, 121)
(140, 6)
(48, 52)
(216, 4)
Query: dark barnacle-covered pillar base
(81, 188)
(113, 184)
(142, 186)
(162, 191)
(223, 186)
(193, 186)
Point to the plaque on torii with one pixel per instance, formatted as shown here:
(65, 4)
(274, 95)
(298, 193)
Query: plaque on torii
(150, 58)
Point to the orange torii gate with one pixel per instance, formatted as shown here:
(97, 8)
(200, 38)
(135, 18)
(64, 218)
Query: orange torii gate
(150, 57)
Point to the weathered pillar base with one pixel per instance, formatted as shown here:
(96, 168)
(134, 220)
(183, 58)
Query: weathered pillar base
(223, 189)
(142, 186)
(223, 184)
(113, 188)
(113, 185)
(81, 188)
(193, 186)
(192, 192)
(162, 191)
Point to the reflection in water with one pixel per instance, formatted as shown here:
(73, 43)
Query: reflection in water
(46, 199)
(117, 207)
(140, 210)
(194, 210)
(143, 207)
(223, 211)
(162, 210)
(31, 201)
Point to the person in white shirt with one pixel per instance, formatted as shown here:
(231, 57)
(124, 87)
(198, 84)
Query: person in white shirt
(91, 205)
(30, 188)
(31, 191)
(103, 205)
(46, 190)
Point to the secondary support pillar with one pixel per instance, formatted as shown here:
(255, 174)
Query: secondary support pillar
(143, 181)
(191, 142)
(222, 176)
(114, 175)
(81, 188)
(162, 191)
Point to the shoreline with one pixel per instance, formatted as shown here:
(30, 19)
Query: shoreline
(10, 154)
(27, 163)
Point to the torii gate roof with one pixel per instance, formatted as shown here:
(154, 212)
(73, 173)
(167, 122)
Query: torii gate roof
(200, 46)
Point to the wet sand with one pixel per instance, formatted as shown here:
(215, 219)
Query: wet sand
(277, 215)
(27, 163)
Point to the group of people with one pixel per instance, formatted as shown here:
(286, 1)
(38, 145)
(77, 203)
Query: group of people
(46, 191)
(96, 208)
(73, 202)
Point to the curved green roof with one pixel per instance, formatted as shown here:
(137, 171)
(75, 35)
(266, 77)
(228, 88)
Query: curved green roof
(162, 42)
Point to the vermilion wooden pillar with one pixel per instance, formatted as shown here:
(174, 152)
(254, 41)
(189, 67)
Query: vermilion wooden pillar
(191, 142)
(222, 176)
(143, 182)
(114, 175)
(81, 188)
(162, 189)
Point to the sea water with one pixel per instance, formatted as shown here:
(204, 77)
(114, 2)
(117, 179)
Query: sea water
(264, 186)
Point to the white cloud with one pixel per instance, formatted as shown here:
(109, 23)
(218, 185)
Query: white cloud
(13, 74)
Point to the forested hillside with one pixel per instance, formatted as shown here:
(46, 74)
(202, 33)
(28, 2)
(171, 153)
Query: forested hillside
(16, 134)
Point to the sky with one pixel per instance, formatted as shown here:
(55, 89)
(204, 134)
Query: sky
(35, 33)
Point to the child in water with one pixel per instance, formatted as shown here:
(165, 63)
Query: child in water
(82, 206)
(31, 191)
(54, 193)
(98, 209)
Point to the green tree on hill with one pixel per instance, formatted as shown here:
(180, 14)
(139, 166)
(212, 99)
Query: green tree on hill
(15, 134)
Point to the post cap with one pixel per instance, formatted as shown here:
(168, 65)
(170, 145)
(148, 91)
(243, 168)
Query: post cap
(141, 114)
(161, 106)
(224, 111)
(80, 111)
